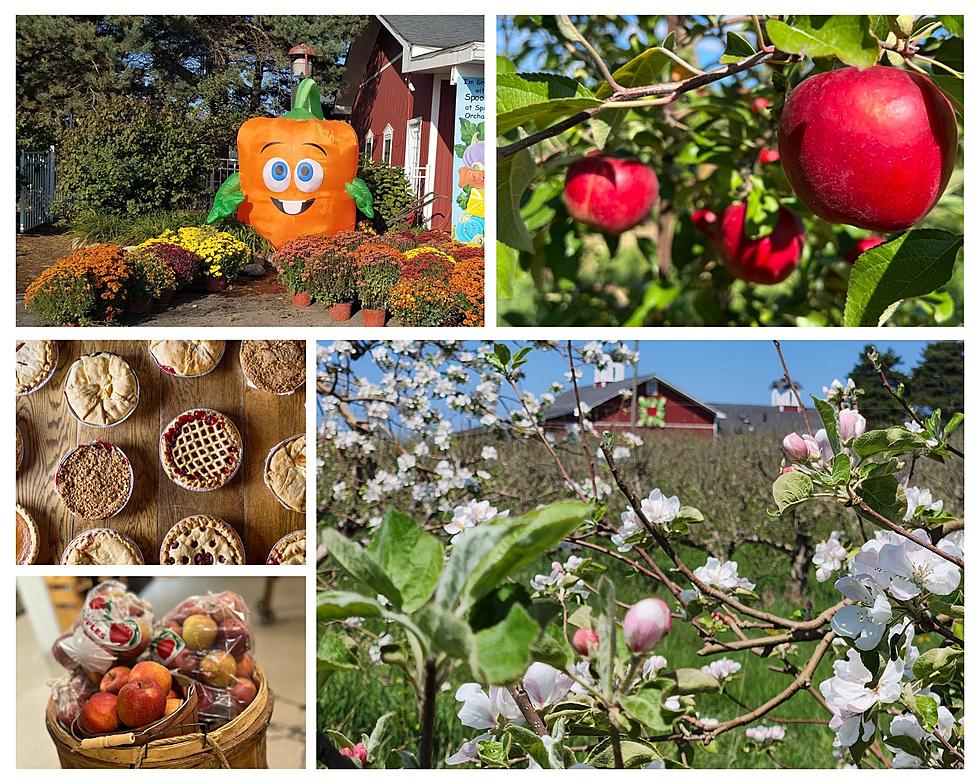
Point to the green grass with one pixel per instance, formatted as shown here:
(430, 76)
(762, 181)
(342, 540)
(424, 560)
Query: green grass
(352, 701)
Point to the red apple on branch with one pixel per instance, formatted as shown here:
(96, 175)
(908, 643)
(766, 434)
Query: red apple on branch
(870, 148)
(610, 194)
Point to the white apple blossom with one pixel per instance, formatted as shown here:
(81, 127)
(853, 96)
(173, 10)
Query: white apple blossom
(911, 569)
(829, 557)
(488, 453)
(485, 709)
(722, 669)
(545, 685)
(469, 752)
(652, 665)
(766, 735)
(853, 690)
(722, 575)
(629, 525)
(919, 501)
(660, 509)
(864, 621)
(470, 515)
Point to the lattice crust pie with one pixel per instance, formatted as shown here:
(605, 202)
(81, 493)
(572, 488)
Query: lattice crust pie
(285, 473)
(274, 365)
(289, 551)
(186, 358)
(101, 546)
(28, 537)
(201, 540)
(36, 361)
(101, 389)
(201, 449)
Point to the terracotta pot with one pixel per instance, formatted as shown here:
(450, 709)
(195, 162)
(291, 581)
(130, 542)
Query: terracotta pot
(340, 311)
(215, 284)
(373, 318)
(301, 299)
(139, 306)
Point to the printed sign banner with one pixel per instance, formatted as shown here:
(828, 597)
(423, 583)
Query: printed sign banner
(469, 162)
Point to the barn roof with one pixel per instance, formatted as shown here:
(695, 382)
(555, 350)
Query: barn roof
(595, 396)
(745, 418)
(438, 31)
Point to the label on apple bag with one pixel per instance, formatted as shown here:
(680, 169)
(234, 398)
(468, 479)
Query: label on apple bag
(166, 645)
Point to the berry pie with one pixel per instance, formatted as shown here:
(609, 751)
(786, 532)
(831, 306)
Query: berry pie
(201, 540)
(289, 551)
(201, 449)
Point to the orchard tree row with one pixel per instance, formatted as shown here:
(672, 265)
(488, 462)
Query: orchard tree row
(730, 170)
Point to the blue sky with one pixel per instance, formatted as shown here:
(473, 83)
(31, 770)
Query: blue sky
(729, 371)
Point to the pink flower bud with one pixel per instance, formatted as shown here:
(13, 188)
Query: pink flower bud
(585, 641)
(850, 424)
(358, 752)
(797, 448)
(646, 624)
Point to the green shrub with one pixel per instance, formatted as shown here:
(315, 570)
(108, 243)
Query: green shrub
(127, 156)
(390, 191)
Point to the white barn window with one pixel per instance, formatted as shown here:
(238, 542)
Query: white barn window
(369, 145)
(386, 141)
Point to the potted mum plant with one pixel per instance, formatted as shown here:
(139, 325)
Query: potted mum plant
(379, 268)
(152, 279)
(290, 262)
(331, 276)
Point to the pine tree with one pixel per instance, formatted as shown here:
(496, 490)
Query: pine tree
(877, 405)
(938, 378)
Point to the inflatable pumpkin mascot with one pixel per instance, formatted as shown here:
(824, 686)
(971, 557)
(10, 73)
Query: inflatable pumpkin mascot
(297, 174)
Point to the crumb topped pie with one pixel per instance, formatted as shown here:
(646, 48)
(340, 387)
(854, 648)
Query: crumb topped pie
(36, 361)
(277, 366)
(201, 540)
(101, 389)
(95, 480)
(285, 472)
(289, 551)
(28, 537)
(187, 358)
(201, 449)
(101, 546)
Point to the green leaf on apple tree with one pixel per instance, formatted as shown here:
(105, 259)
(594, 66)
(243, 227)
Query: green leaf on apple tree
(953, 24)
(514, 174)
(737, 49)
(911, 265)
(846, 37)
(791, 489)
(409, 555)
(540, 99)
(360, 564)
(504, 650)
(952, 88)
(646, 68)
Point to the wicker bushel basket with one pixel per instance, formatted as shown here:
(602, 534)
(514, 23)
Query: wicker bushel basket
(238, 744)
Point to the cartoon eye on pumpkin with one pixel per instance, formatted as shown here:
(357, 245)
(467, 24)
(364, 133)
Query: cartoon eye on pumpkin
(309, 175)
(275, 173)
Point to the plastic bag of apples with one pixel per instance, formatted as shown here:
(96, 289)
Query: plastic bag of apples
(209, 639)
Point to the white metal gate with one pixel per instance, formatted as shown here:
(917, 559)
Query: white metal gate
(36, 177)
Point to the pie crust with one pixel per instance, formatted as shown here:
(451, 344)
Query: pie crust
(36, 362)
(201, 540)
(187, 358)
(101, 547)
(28, 537)
(289, 551)
(277, 366)
(101, 389)
(285, 472)
(201, 449)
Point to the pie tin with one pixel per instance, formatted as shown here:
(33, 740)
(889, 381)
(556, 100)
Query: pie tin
(280, 543)
(129, 540)
(238, 465)
(250, 383)
(35, 536)
(132, 478)
(229, 526)
(92, 424)
(47, 378)
(265, 471)
(224, 345)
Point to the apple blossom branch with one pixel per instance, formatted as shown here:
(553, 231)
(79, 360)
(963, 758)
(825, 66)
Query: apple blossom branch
(630, 98)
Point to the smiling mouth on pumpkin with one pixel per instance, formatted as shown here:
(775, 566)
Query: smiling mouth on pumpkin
(293, 207)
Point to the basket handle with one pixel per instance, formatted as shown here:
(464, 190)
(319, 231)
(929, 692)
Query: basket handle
(108, 741)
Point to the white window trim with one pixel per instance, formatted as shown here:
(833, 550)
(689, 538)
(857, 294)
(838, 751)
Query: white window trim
(387, 144)
(369, 145)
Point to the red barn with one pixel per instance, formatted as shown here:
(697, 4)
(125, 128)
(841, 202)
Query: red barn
(659, 405)
(413, 89)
